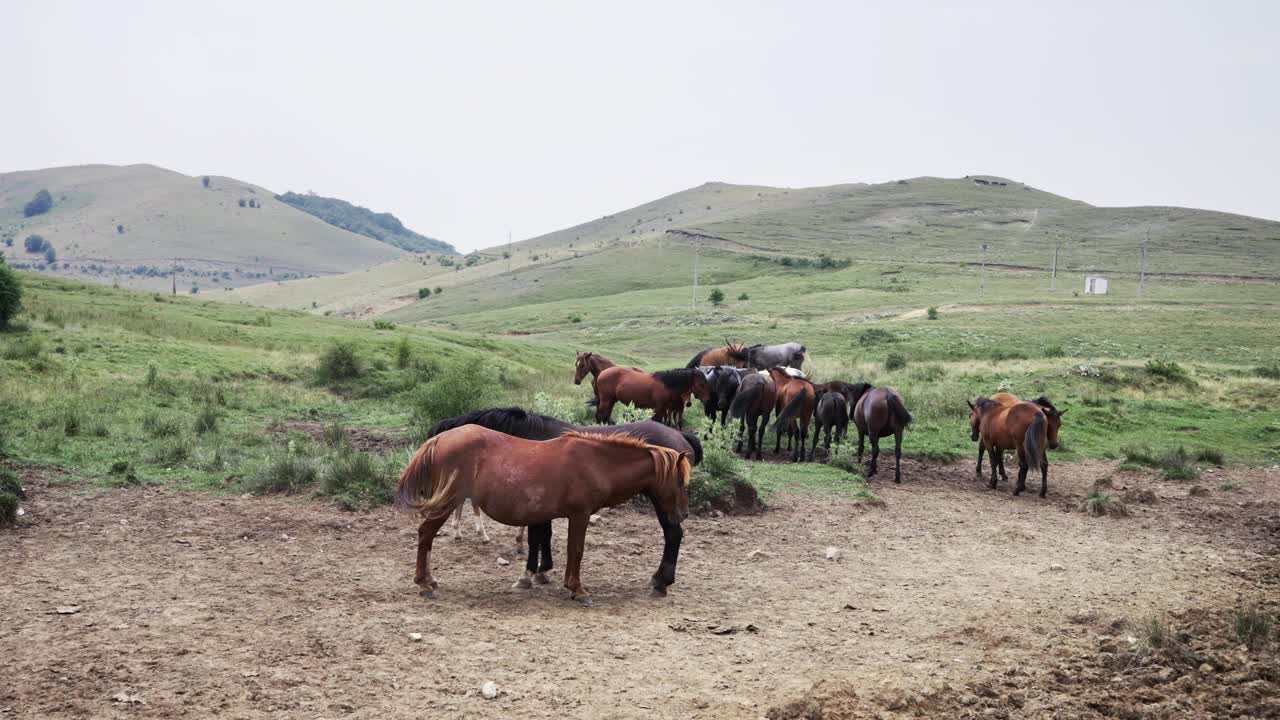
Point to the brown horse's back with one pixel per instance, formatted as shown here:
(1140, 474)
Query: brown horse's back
(1004, 428)
(873, 414)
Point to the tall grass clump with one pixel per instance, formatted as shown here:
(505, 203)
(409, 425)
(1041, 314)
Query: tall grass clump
(1270, 372)
(404, 353)
(1154, 633)
(1168, 370)
(8, 509)
(338, 363)
(719, 469)
(285, 474)
(173, 451)
(895, 361)
(206, 420)
(10, 484)
(455, 388)
(1175, 464)
(1100, 503)
(1253, 626)
(160, 427)
(358, 481)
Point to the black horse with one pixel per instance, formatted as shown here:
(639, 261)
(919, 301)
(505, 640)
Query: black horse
(752, 407)
(832, 414)
(532, 426)
(724, 381)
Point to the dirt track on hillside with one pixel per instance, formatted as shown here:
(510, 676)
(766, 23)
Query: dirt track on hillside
(202, 606)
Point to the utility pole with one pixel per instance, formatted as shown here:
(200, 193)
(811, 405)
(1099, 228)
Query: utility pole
(697, 250)
(508, 251)
(1053, 275)
(982, 281)
(1142, 266)
(175, 276)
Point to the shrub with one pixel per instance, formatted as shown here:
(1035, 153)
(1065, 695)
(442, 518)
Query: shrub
(39, 205)
(205, 181)
(10, 295)
(1211, 455)
(383, 325)
(1168, 370)
(1154, 633)
(452, 390)
(1173, 464)
(932, 313)
(160, 427)
(24, 348)
(876, 336)
(285, 474)
(357, 481)
(339, 363)
(895, 361)
(119, 229)
(173, 451)
(404, 353)
(743, 296)
(716, 297)
(153, 374)
(206, 420)
(1054, 351)
(424, 293)
(8, 510)
(575, 318)
(1253, 626)
(1099, 503)
(334, 435)
(50, 255)
(438, 290)
(719, 469)
(9, 483)
(1271, 372)
(34, 244)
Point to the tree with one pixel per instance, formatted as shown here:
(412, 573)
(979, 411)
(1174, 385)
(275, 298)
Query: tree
(34, 244)
(717, 296)
(424, 293)
(39, 205)
(438, 290)
(241, 202)
(119, 229)
(205, 181)
(50, 255)
(10, 294)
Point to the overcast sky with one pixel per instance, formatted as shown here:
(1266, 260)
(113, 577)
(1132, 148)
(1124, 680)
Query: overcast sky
(469, 119)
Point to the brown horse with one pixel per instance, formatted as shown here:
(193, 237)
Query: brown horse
(593, 363)
(732, 353)
(665, 392)
(530, 482)
(881, 413)
(1005, 399)
(752, 405)
(1028, 428)
(795, 404)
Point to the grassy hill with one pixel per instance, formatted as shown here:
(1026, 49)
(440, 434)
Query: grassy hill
(383, 227)
(129, 224)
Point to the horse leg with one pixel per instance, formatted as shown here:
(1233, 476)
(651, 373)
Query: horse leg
(1000, 458)
(862, 437)
(520, 541)
(742, 428)
(484, 534)
(457, 517)
(982, 449)
(995, 464)
(1023, 467)
(672, 534)
(573, 566)
(897, 456)
(422, 572)
(875, 454)
(1044, 478)
(531, 562)
(756, 439)
(544, 562)
(777, 447)
(604, 409)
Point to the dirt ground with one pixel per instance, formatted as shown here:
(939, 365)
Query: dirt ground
(948, 600)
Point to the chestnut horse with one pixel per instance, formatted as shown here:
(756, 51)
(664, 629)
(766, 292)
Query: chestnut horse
(752, 405)
(529, 482)
(665, 392)
(881, 413)
(1005, 399)
(1030, 428)
(795, 404)
(594, 363)
(734, 354)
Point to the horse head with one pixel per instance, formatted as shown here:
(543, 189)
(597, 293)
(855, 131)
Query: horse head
(976, 410)
(581, 366)
(701, 388)
(1054, 416)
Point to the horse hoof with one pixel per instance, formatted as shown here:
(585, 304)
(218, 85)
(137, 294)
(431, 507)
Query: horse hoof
(585, 600)
(541, 578)
(520, 552)
(428, 594)
(522, 584)
(658, 593)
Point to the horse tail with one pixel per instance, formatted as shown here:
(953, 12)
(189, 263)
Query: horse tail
(899, 410)
(594, 401)
(697, 359)
(744, 400)
(1032, 443)
(416, 491)
(793, 408)
(694, 443)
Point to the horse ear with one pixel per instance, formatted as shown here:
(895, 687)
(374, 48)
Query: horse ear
(1061, 413)
(966, 402)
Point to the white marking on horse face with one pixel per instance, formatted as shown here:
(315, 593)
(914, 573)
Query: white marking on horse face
(765, 373)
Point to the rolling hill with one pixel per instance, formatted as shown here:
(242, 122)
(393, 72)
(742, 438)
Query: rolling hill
(130, 224)
(750, 231)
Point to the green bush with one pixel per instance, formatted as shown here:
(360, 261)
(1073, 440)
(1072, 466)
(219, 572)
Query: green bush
(716, 297)
(1253, 626)
(404, 353)
(1211, 455)
(720, 467)
(10, 295)
(358, 481)
(9, 483)
(27, 347)
(895, 361)
(160, 427)
(206, 420)
(338, 363)
(285, 474)
(1054, 351)
(1099, 503)
(173, 451)
(8, 510)
(39, 205)
(743, 296)
(1167, 370)
(1270, 372)
(1173, 464)
(932, 313)
(424, 293)
(453, 389)
(383, 325)
(876, 336)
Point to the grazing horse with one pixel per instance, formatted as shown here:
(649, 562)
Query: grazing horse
(1005, 399)
(795, 404)
(753, 404)
(532, 426)
(724, 381)
(594, 363)
(881, 413)
(832, 414)
(850, 391)
(734, 354)
(1030, 428)
(526, 482)
(764, 357)
(665, 392)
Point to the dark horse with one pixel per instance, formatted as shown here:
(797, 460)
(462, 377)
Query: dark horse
(832, 414)
(724, 381)
(665, 392)
(524, 482)
(734, 354)
(1027, 427)
(532, 426)
(881, 413)
(752, 406)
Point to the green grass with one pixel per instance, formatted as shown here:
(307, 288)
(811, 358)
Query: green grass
(1253, 626)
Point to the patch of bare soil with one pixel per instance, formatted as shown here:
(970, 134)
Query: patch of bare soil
(361, 439)
(950, 600)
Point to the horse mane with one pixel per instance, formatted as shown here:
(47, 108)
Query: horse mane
(694, 443)
(509, 420)
(736, 349)
(679, 379)
(1045, 403)
(984, 402)
(621, 439)
(697, 359)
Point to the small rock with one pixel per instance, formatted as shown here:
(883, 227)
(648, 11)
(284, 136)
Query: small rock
(249, 673)
(489, 690)
(503, 561)
(1197, 490)
(124, 697)
(1055, 567)
(21, 512)
(834, 553)
(593, 520)
(68, 609)
(1206, 668)
(416, 637)
(757, 555)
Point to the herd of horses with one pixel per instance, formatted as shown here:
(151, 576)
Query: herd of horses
(525, 469)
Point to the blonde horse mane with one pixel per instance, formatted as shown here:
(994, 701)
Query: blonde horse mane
(671, 466)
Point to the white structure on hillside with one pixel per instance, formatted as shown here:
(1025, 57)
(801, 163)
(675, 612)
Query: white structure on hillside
(1095, 285)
